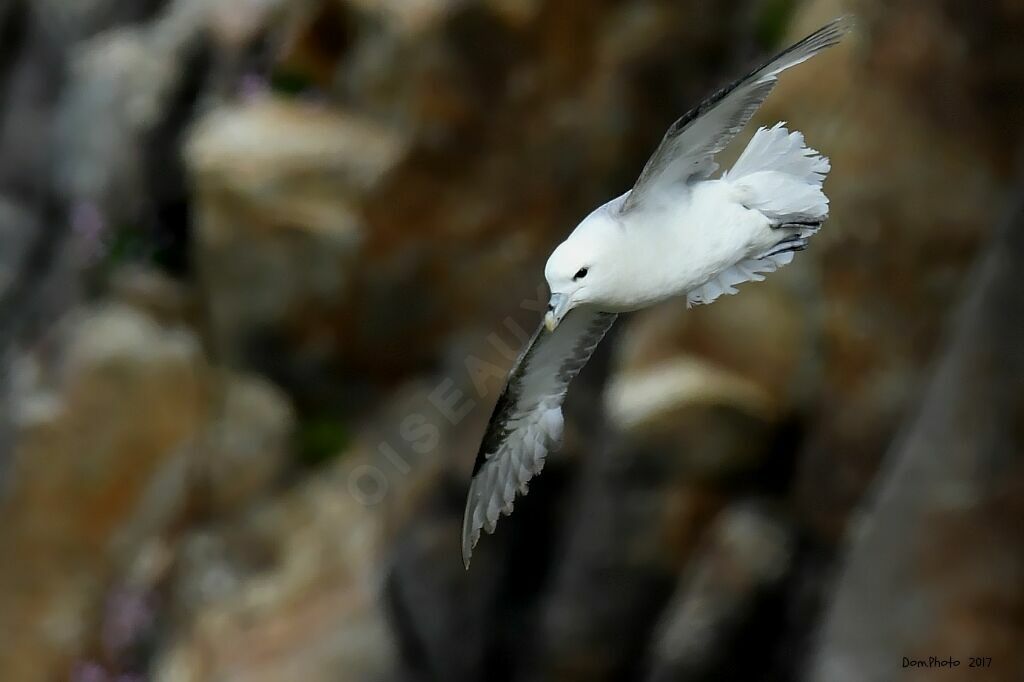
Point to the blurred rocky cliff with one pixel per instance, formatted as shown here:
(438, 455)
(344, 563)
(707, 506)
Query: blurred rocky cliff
(263, 265)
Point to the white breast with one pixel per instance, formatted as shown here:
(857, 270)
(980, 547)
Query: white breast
(689, 243)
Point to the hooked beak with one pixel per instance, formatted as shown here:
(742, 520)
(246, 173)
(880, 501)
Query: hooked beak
(558, 306)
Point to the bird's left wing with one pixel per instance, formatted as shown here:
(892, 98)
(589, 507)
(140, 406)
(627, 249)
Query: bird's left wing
(527, 420)
(687, 151)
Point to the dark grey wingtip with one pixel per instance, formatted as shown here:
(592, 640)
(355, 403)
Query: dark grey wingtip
(470, 535)
(467, 550)
(845, 23)
(831, 33)
(825, 37)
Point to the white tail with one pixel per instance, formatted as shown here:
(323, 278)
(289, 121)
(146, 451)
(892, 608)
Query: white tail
(781, 176)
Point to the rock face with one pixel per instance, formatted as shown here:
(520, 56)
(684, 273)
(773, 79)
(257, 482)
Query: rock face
(747, 554)
(947, 511)
(88, 484)
(123, 430)
(409, 185)
(888, 240)
(278, 183)
(246, 445)
(288, 592)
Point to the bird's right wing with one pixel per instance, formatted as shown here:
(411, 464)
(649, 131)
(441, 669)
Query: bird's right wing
(527, 420)
(687, 151)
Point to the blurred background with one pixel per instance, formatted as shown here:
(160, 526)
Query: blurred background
(264, 264)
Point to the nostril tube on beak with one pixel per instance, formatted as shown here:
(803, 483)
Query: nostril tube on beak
(557, 307)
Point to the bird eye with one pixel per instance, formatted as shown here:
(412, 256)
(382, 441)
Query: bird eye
(580, 274)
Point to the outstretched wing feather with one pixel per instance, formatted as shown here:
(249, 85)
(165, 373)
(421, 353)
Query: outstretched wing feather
(527, 419)
(687, 151)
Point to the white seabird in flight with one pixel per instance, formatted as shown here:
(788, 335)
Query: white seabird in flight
(678, 232)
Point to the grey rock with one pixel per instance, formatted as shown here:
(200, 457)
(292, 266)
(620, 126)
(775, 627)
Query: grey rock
(747, 552)
(17, 229)
(284, 591)
(279, 233)
(936, 563)
(247, 444)
(633, 527)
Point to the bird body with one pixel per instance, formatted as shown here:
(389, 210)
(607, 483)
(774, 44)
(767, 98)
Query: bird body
(679, 232)
(690, 236)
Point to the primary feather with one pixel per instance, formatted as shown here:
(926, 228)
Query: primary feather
(687, 151)
(527, 420)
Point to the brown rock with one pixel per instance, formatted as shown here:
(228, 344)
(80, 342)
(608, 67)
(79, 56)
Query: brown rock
(708, 387)
(122, 430)
(465, 95)
(891, 257)
(279, 232)
(761, 338)
(246, 444)
(286, 592)
(937, 568)
(632, 528)
(166, 300)
(747, 551)
(99, 467)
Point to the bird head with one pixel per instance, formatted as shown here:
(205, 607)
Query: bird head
(578, 271)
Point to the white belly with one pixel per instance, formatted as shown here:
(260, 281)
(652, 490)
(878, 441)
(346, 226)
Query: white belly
(709, 234)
